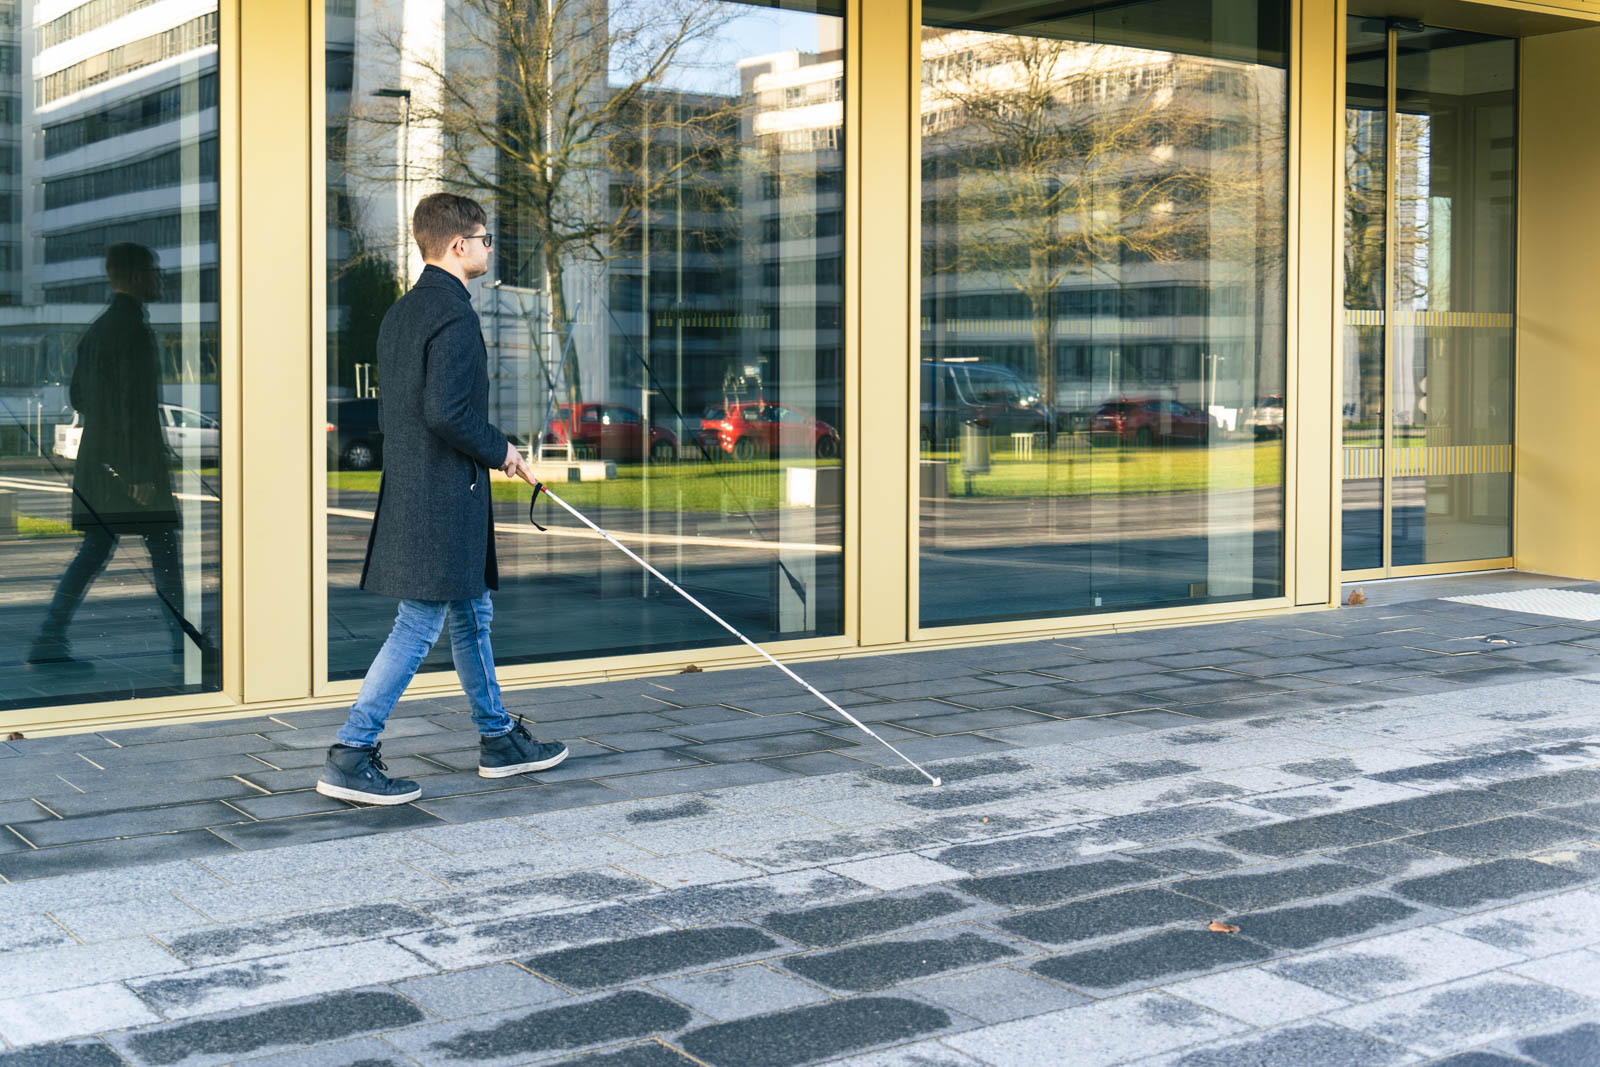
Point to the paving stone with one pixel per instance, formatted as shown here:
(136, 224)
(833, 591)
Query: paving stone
(901, 871)
(1566, 787)
(1061, 883)
(145, 796)
(1153, 959)
(1050, 733)
(737, 992)
(501, 939)
(310, 828)
(1294, 1046)
(207, 1042)
(1539, 927)
(1508, 836)
(688, 868)
(1479, 1059)
(1193, 859)
(30, 1020)
(296, 932)
(693, 779)
(828, 848)
(628, 959)
(703, 905)
(1467, 1012)
(644, 1054)
(29, 933)
(103, 887)
(1257, 997)
(1279, 885)
(1395, 858)
(363, 1052)
(994, 994)
(524, 800)
(469, 992)
(523, 896)
(805, 1035)
(929, 1053)
(247, 983)
(1394, 963)
(1106, 916)
(690, 835)
(837, 924)
(74, 966)
(877, 965)
(299, 802)
(84, 1054)
(1466, 888)
(1578, 971)
(1101, 1033)
(1031, 850)
(1304, 926)
(1178, 824)
(1572, 1047)
(1437, 811)
(101, 855)
(1315, 834)
(130, 918)
(516, 1036)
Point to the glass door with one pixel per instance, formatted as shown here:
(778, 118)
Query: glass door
(1430, 202)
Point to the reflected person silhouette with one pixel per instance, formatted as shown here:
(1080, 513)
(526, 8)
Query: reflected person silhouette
(122, 480)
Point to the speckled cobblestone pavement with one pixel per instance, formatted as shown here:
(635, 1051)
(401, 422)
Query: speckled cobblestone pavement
(1398, 807)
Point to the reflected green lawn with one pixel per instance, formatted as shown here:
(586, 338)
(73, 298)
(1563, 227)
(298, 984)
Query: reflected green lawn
(735, 487)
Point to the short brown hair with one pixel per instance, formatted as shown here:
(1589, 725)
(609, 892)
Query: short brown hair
(442, 217)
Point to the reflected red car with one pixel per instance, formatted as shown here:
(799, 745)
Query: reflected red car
(609, 431)
(1148, 420)
(761, 430)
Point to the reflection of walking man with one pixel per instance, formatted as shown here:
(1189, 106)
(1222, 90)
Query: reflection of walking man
(432, 540)
(122, 481)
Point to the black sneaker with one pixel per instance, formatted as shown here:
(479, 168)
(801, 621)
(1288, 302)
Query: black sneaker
(54, 654)
(516, 753)
(357, 774)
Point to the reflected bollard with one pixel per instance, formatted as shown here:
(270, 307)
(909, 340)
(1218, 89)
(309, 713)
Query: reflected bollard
(974, 452)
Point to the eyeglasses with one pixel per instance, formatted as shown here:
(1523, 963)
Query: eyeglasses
(486, 238)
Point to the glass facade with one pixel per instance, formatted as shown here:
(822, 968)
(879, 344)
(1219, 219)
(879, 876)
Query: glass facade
(1430, 255)
(945, 321)
(1102, 395)
(663, 313)
(110, 439)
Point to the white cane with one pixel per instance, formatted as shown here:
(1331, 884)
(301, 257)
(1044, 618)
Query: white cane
(539, 487)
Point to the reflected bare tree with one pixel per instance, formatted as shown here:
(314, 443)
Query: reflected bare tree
(548, 109)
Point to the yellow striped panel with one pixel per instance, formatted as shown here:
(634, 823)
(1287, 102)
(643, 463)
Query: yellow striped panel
(1430, 462)
(1471, 320)
(1363, 463)
(1353, 317)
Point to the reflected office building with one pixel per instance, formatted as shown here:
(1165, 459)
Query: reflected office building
(110, 375)
(874, 326)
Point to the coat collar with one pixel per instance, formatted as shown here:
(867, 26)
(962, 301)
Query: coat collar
(439, 278)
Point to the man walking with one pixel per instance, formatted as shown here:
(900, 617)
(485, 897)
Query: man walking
(432, 540)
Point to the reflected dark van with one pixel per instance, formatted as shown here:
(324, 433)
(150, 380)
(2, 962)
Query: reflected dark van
(994, 397)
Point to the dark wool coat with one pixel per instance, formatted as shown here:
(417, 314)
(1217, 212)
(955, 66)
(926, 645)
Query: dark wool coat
(116, 392)
(433, 536)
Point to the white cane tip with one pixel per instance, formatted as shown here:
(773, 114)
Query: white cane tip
(938, 781)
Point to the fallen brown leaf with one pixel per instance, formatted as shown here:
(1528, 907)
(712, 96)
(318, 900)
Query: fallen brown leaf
(15, 736)
(1217, 926)
(1357, 598)
(692, 669)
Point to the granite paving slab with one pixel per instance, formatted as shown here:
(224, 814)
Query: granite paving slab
(1412, 870)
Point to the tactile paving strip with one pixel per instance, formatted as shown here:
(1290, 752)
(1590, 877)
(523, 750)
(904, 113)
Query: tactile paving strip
(1560, 603)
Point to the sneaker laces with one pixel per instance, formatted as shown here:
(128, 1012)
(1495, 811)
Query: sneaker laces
(377, 762)
(521, 730)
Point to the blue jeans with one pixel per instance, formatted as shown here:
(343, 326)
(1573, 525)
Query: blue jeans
(416, 628)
